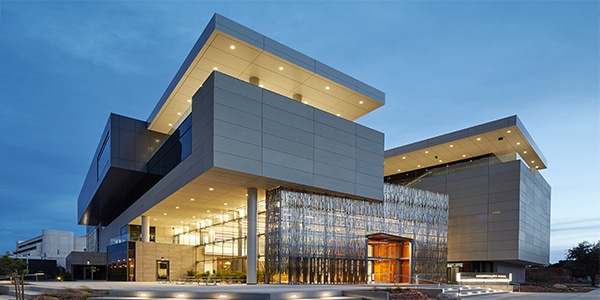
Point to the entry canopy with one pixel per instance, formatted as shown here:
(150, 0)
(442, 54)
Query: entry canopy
(386, 237)
(504, 138)
(242, 53)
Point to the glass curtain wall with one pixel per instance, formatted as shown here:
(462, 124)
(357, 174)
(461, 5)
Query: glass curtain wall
(221, 240)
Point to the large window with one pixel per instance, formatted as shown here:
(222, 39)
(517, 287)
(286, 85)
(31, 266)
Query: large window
(177, 147)
(103, 158)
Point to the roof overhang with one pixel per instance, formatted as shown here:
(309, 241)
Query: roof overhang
(502, 138)
(215, 195)
(239, 52)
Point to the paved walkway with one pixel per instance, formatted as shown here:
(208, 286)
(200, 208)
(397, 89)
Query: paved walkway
(233, 288)
(593, 295)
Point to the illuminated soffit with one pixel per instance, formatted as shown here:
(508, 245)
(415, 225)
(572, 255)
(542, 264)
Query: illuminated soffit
(227, 54)
(501, 141)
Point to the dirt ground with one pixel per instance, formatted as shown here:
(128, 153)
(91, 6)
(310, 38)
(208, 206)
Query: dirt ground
(407, 294)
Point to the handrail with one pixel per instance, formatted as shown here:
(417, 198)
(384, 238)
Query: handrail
(414, 181)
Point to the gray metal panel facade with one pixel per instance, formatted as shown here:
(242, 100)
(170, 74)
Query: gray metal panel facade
(129, 147)
(258, 132)
(499, 212)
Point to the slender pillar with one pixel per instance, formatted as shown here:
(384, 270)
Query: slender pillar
(240, 246)
(252, 233)
(145, 229)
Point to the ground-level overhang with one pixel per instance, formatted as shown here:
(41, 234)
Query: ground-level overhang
(216, 192)
(501, 137)
(242, 53)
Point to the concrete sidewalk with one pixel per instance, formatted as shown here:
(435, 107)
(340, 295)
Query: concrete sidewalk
(593, 295)
(144, 287)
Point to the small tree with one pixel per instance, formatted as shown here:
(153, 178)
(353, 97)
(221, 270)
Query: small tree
(9, 265)
(16, 269)
(584, 260)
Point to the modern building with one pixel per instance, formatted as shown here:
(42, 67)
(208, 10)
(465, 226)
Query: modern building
(251, 162)
(499, 208)
(51, 245)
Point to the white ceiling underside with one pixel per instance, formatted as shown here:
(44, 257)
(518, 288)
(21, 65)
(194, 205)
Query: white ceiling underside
(500, 142)
(238, 59)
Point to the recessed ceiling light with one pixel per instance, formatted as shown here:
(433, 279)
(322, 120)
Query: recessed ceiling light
(508, 131)
(207, 210)
(170, 125)
(479, 139)
(232, 47)
(164, 214)
(451, 146)
(338, 115)
(403, 157)
(193, 217)
(176, 207)
(189, 100)
(398, 170)
(225, 203)
(532, 161)
(327, 87)
(211, 189)
(525, 152)
(464, 155)
(215, 68)
(179, 114)
(440, 160)
(192, 199)
(518, 143)
(155, 219)
(418, 166)
(537, 167)
(361, 102)
(280, 68)
(426, 152)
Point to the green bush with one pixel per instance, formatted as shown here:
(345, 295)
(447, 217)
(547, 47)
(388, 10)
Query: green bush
(540, 277)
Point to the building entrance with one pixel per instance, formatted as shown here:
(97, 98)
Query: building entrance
(162, 270)
(389, 258)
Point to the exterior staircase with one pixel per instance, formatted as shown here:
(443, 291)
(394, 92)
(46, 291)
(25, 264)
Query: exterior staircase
(465, 291)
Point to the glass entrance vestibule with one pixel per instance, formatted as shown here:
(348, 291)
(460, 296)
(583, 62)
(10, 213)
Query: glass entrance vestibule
(389, 258)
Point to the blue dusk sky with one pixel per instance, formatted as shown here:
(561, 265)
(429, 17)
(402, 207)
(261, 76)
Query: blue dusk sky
(444, 66)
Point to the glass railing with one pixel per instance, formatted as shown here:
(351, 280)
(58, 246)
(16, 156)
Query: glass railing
(119, 239)
(413, 177)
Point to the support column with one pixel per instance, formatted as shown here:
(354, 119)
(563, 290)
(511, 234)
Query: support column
(252, 233)
(145, 229)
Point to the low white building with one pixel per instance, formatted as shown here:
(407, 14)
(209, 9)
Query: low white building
(51, 245)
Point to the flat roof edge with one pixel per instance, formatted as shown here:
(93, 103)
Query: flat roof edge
(208, 30)
(245, 34)
(532, 143)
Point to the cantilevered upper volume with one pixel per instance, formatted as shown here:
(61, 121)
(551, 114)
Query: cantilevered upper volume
(244, 54)
(504, 138)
